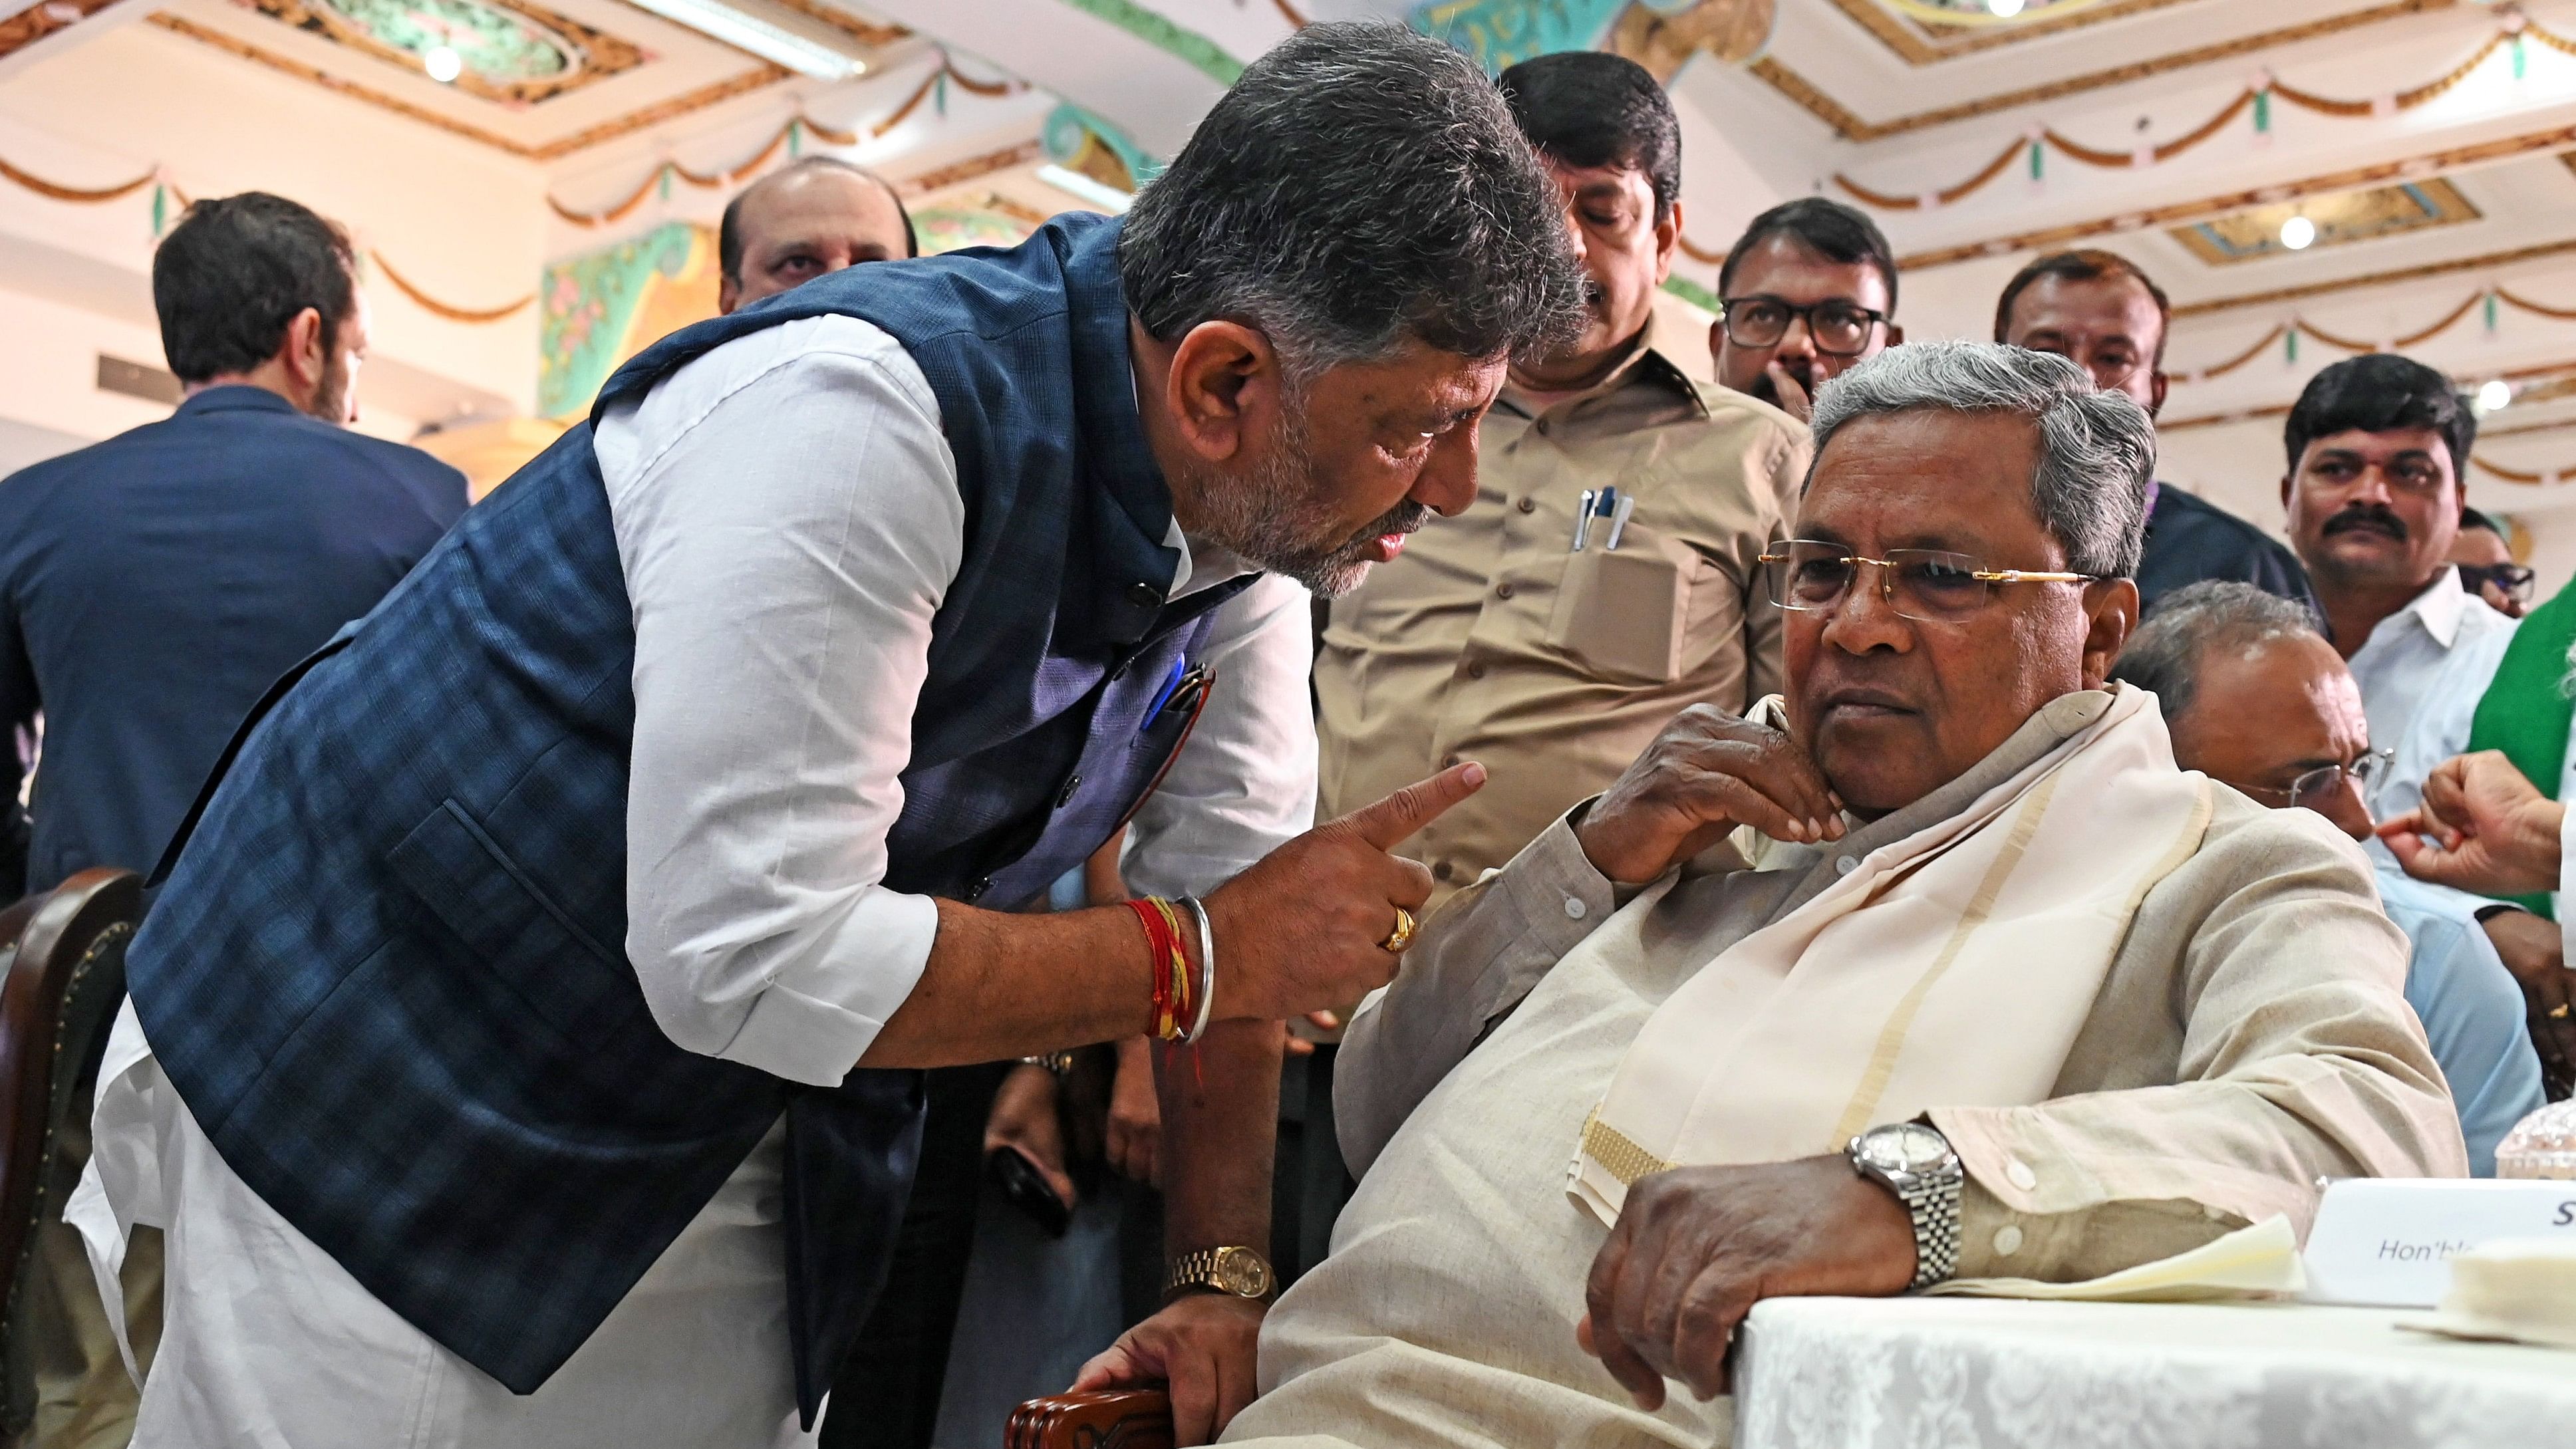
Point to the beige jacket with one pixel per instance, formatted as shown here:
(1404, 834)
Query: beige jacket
(2250, 1038)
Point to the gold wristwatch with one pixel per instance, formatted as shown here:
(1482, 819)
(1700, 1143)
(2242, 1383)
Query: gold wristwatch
(1238, 1271)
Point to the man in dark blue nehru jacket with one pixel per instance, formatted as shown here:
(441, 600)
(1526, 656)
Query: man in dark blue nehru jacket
(526, 1046)
(153, 585)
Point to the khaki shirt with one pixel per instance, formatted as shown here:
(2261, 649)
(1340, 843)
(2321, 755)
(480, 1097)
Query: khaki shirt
(1489, 639)
(2250, 1037)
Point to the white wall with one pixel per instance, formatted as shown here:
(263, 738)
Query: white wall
(461, 220)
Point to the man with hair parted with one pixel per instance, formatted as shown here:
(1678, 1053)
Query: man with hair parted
(525, 1048)
(807, 219)
(2104, 312)
(1610, 574)
(1728, 1031)
(2484, 557)
(2257, 700)
(1807, 291)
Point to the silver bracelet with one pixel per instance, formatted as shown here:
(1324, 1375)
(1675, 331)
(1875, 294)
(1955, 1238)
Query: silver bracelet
(1207, 967)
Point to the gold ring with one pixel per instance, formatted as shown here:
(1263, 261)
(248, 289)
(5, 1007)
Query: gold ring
(1403, 937)
(2558, 1012)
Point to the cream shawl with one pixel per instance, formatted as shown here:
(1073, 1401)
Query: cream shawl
(1950, 968)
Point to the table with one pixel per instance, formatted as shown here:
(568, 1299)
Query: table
(1966, 1373)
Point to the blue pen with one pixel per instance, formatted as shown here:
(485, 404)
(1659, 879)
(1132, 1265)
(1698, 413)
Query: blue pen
(1163, 696)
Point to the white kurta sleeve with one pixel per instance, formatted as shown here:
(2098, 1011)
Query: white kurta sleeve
(788, 520)
(1244, 782)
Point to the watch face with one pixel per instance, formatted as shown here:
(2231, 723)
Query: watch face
(1906, 1147)
(1242, 1273)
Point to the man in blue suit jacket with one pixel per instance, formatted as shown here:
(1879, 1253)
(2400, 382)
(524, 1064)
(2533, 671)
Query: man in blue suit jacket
(154, 585)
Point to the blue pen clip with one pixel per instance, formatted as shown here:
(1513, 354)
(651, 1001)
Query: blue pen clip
(1163, 696)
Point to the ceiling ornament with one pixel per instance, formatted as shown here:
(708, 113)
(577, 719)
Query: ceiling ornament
(1166, 35)
(1089, 146)
(2362, 215)
(37, 21)
(513, 52)
(1849, 126)
(788, 138)
(713, 93)
(1925, 42)
(991, 220)
(2484, 262)
(1978, 13)
(2256, 97)
(2489, 302)
(1663, 38)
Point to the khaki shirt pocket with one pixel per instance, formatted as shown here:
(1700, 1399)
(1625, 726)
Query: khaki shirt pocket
(1624, 613)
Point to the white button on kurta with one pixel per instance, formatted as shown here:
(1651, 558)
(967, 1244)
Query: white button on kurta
(2021, 1175)
(2007, 1240)
(1574, 908)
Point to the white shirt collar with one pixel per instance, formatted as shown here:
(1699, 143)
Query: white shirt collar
(2440, 607)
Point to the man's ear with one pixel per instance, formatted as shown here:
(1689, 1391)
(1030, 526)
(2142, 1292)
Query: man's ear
(2112, 607)
(302, 350)
(1668, 239)
(1895, 335)
(728, 296)
(1224, 388)
(2156, 382)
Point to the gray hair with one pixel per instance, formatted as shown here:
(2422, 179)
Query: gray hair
(2164, 656)
(1360, 186)
(2097, 448)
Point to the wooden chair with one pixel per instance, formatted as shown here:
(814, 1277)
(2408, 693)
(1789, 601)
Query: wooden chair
(1115, 1419)
(63, 954)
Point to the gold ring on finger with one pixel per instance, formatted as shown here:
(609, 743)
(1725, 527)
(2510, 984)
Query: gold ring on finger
(2558, 1012)
(1403, 936)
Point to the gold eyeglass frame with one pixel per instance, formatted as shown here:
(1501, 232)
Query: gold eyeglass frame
(1887, 579)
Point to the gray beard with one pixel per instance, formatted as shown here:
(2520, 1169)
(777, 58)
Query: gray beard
(1273, 519)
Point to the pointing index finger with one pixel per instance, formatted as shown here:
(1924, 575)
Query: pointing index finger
(1407, 810)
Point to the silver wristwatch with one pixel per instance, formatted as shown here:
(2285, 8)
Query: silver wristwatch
(1914, 1161)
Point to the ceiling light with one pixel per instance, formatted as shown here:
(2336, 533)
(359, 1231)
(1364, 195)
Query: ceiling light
(2494, 395)
(764, 38)
(2297, 232)
(443, 63)
(2004, 9)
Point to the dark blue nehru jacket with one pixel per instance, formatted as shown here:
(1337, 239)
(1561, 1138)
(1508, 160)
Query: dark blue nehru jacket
(387, 971)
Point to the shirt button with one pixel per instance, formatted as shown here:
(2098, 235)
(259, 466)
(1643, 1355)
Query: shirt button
(1845, 865)
(2021, 1175)
(1541, 427)
(1448, 762)
(2007, 1240)
(1066, 796)
(1145, 596)
(1443, 871)
(1475, 671)
(1527, 505)
(1502, 591)
(1574, 909)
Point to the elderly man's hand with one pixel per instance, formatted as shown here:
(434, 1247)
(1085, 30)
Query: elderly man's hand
(1697, 1247)
(1200, 1347)
(1707, 773)
(2491, 831)
(2536, 955)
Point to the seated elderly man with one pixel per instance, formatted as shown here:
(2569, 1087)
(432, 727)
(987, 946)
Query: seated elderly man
(2002, 991)
(2258, 700)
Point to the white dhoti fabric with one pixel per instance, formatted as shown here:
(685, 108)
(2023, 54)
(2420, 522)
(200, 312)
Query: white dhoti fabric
(268, 1341)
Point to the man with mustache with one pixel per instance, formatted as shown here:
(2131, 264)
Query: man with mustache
(526, 1047)
(1549, 646)
(1809, 290)
(2377, 448)
(2002, 993)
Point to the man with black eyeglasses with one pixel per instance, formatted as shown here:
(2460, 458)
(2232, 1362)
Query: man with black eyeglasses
(2258, 701)
(1808, 290)
(2100, 310)
(2484, 558)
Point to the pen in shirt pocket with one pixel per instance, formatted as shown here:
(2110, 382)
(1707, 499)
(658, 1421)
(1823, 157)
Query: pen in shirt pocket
(1600, 503)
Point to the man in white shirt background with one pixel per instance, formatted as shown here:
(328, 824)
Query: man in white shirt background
(2378, 446)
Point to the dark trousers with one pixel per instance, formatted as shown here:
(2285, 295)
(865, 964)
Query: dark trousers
(887, 1396)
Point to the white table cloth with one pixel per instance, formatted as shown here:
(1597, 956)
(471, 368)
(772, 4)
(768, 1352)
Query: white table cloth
(1842, 1373)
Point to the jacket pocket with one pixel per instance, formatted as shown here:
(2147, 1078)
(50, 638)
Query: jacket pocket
(510, 926)
(1623, 613)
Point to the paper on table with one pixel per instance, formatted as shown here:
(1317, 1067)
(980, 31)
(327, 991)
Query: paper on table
(2250, 1262)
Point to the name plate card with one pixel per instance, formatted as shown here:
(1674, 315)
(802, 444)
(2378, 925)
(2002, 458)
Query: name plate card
(2388, 1242)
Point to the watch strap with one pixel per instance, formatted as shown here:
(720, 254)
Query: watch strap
(1932, 1201)
(1200, 1269)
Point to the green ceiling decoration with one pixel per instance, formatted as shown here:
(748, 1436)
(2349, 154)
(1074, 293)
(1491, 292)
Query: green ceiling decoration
(1499, 34)
(492, 42)
(1167, 35)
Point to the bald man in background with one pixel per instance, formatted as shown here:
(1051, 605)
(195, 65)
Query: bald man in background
(810, 217)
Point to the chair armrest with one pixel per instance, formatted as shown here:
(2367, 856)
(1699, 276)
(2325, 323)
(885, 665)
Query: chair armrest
(1112, 1419)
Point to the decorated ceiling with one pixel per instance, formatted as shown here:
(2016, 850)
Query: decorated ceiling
(505, 50)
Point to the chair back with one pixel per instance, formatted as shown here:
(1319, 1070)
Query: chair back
(63, 954)
(1118, 1419)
